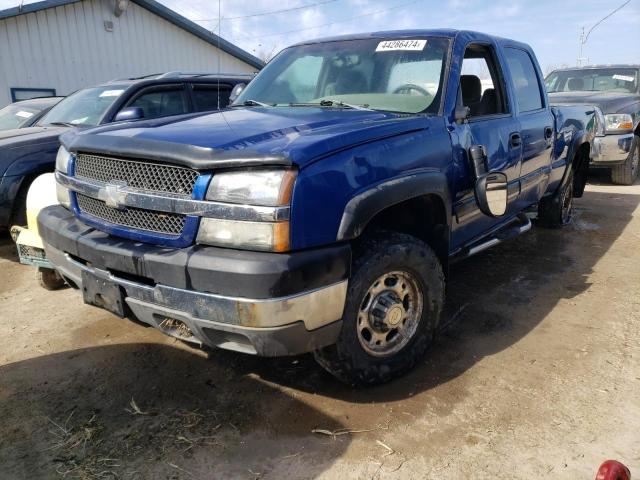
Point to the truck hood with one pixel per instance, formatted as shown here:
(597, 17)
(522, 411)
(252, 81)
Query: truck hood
(20, 136)
(256, 135)
(608, 102)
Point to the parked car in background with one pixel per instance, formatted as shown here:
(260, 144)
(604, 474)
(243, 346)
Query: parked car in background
(320, 212)
(25, 113)
(615, 90)
(29, 152)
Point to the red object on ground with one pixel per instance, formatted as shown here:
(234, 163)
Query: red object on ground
(612, 470)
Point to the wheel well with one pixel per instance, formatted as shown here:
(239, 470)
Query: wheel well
(580, 165)
(423, 217)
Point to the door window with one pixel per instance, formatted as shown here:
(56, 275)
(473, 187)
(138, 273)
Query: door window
(208, 97)
(524, 79)
(162, 102)
(481, 83)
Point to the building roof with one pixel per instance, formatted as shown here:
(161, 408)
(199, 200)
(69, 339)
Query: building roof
(160, 10)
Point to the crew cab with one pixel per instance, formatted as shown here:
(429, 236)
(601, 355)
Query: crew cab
(615, 91)
(26, 153)
(320, 212)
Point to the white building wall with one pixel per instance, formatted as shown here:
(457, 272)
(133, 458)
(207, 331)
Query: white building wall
(68, 48)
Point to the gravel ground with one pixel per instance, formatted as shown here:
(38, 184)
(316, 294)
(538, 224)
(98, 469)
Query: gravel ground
(535, 375)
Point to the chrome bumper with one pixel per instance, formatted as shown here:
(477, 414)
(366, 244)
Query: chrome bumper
(270, 327)
(611, 149)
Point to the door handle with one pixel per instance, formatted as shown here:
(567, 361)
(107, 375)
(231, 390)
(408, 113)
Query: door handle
(548, 133)
(515, 140)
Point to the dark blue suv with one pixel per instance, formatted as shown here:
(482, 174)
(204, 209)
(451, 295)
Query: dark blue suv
(320, 211)
(26, 153)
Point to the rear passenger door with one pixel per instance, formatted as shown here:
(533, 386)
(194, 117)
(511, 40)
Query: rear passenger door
(210, 97)
(161, 101)
(536, 124)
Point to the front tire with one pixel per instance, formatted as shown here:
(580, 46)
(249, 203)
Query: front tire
(394, 300)
(626, 173)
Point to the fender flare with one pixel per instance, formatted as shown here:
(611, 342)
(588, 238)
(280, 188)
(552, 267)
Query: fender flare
(361, 208)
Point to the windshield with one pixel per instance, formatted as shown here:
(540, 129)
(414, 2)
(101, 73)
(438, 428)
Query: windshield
(15, 116)
(404, 75)
(594, 80)
(85, 107)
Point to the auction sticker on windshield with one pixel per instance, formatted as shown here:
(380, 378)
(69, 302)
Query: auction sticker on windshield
(624, 78)
(389, 45)
(111, 93)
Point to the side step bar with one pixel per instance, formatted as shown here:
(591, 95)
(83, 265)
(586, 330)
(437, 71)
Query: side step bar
(520, 225)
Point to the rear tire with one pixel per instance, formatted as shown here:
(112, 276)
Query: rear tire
(49, 279)
(626, 173)
(557, 210)
(396, 285)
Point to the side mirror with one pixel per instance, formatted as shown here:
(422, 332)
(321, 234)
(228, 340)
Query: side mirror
(491, 194)
(237, 90)
(478, 156)
(462, 114)
(130, 113)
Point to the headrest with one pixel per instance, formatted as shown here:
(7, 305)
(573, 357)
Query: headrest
(471, 89)
(576, 84)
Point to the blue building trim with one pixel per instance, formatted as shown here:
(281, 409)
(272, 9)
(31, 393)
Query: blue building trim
(161, 11)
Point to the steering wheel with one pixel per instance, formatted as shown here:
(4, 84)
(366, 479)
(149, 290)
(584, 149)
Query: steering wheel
(408, 87)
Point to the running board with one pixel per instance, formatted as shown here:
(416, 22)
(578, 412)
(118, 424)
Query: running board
(520, 225)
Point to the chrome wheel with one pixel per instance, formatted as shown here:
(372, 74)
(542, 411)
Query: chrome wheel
(389, 313)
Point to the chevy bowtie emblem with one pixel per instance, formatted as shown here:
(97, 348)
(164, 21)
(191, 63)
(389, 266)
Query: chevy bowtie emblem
(114, 196)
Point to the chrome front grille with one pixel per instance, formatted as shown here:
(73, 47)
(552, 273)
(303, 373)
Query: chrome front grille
(159, 222)
(152, 177)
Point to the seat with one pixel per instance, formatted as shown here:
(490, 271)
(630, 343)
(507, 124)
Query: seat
(471, 92)
(489, 102)
(575, 84)
(347, 81)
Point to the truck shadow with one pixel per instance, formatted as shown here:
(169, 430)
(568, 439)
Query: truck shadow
(494, 299)
(153, 411)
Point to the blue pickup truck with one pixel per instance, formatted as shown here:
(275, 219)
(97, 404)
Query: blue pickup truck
(320, 212)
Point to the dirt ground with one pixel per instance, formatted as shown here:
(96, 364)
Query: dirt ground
(536, 375)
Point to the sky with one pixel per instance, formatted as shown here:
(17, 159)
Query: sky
(551, 27)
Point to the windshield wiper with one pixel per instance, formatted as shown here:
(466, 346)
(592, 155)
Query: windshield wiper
(253, 103)
(338, 103)
(62, 124)
(330, 103)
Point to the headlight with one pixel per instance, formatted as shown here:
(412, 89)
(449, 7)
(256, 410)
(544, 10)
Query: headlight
(266, 236)
(62, 165)
(259, 188)
(62, 160)
(618, 122)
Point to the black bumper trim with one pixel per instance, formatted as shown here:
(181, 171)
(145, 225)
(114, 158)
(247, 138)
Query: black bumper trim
(233, 273)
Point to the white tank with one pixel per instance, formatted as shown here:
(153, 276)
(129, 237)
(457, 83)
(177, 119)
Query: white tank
(41, 194)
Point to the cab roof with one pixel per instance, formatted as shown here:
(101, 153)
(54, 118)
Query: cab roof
(399, 34)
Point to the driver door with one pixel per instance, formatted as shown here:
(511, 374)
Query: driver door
(492, 125)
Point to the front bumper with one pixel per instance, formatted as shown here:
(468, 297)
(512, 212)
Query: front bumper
(611, 149)
(259, 303)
